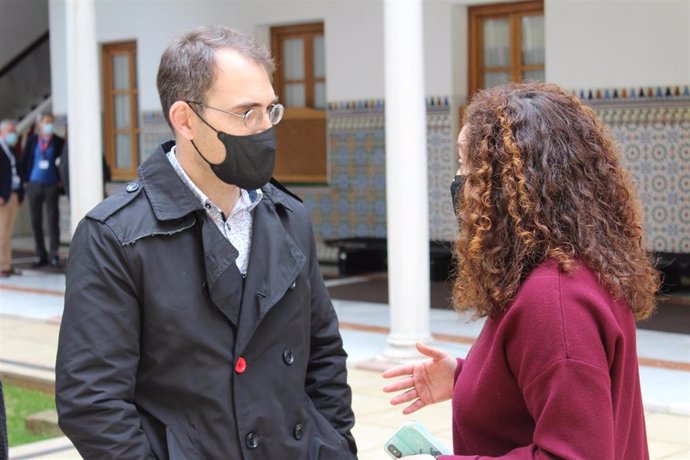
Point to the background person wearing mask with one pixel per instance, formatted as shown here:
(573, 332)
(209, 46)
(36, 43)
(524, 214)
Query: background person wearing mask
(11, 194)
(197, 324)
(550, 250)
(43, 187)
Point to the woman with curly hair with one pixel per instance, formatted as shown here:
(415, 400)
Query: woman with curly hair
(550, 252)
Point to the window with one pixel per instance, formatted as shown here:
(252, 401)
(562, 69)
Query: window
(506, 43)
(300, 82)
(121, 117)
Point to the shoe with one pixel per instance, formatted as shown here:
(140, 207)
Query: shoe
(54, 262)
(40, 263)
(4, 274)
(12, 271)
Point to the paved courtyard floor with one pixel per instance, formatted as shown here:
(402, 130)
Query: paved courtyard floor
(31, 307)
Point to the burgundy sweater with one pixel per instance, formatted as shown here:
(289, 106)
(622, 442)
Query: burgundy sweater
(555, 376)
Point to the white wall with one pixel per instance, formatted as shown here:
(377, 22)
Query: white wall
(354, 61)
(617, 43)
(21, 23)
(438, 47)
(58, 56)
(590, 43)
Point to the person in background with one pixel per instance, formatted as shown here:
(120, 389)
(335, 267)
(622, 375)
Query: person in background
(196, 323)
(550, 252)
(11, 194)
(43, 187)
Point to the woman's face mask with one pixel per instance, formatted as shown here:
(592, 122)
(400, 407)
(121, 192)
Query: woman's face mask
(459, 180)
(456, 190)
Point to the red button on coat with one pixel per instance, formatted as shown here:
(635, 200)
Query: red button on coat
(241, 365)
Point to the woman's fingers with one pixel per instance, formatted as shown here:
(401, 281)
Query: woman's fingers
(431, 352)
(403, 369)
(402, 384)
(414, 407)
(404, 397)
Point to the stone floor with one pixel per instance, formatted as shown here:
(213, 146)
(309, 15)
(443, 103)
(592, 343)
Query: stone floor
(31, 305)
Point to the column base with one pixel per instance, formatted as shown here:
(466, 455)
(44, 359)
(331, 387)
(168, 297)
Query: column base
(394, 354)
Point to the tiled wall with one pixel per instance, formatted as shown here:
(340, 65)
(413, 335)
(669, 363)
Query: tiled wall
(354, 203)
(651, 126)
(652, 129)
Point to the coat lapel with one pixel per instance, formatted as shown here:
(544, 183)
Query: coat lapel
(172, 200)
(274, 263)
(223, 277)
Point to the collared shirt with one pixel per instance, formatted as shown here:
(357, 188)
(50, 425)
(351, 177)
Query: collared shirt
(16, 182)
(44, 169)
(238, 227)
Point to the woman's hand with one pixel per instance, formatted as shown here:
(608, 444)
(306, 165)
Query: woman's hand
(425, 383)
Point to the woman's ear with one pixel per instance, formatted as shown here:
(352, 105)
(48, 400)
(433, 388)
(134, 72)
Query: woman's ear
(181, 118)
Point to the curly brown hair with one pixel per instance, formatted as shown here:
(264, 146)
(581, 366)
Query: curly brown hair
(544, 181)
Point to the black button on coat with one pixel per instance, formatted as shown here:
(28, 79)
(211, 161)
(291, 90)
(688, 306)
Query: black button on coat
(157, 314)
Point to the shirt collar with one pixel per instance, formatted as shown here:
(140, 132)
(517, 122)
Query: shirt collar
(248, 198)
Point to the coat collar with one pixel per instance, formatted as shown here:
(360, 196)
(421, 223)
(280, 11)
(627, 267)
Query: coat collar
(170, 198)
(275, 259)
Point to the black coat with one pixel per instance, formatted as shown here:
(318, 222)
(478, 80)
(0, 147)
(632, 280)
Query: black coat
(156, 321)
(6, 175)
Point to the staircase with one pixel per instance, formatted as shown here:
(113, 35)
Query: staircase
(25, 80)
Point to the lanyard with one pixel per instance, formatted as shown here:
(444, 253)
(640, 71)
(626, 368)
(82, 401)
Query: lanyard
(43, 144)
(9, 153)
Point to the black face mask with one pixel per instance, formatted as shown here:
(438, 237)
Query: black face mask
(456, 189)
(249, 160)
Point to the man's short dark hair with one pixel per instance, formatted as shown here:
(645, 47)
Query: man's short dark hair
(187, 69)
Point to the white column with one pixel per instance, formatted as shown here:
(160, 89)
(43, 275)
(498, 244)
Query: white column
(406, 179)
(83, 110)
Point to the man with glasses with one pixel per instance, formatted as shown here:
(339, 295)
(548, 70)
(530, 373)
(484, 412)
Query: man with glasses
(196, 322)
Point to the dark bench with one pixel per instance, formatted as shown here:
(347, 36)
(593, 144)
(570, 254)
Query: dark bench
(675, 269)
(366, 255)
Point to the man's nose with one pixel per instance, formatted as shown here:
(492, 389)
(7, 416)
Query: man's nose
(264, 124)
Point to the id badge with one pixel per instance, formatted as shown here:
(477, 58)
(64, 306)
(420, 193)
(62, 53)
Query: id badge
(43, 164)
(16, 182)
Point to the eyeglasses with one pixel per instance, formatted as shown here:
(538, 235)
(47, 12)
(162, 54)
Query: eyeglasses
(252, 118)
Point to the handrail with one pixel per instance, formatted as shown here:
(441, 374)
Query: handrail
(19, 57)
(24, 124)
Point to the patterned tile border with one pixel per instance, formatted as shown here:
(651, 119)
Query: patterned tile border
(634, 94)
(373, 105)
(667, 104)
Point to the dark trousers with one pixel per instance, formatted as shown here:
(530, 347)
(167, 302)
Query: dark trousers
(38, 195)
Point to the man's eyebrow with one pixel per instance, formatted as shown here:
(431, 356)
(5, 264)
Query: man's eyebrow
(251, 105)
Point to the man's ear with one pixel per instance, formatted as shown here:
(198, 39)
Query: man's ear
(182, 119)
